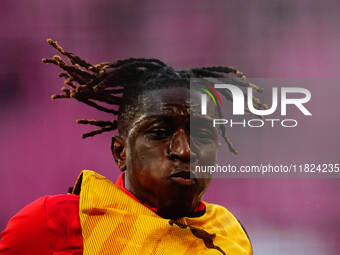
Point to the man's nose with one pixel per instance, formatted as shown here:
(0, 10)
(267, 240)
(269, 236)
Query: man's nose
(179, 147)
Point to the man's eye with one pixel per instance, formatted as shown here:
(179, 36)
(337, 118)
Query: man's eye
(158, 134)
(203, 136)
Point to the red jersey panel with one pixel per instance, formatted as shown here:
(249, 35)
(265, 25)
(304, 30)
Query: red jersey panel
(49, 225)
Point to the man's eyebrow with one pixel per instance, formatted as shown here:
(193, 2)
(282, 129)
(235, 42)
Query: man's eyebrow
(155, 118)
(168, 105)
(197, 117)
(201, 122)
(169, 116)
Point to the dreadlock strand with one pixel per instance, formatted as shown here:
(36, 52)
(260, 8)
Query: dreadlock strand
(111, 80)
(93, 69)
(221, 69)
(201, 234)
(103, 84)
(225, 137)
(82, 92)
(73, 58)
(240, 75)
(63, 75)
(242, 83)
(207, 238)
(64, 66)
(59, 96)
(66, 91)
(205, 73)
(69, 82)
(107, 99)
(74, 70)
(100, 65)
(186, 74)
(105, 67)
(135, 60)
(225, 70)
(87, 92)
(136, 65)
(252, 85)
(230, 145)
(70, 70)
(76, 66)
(98, 131)
(101, 71)
(49, 61)
(98, 107)
(99, 123)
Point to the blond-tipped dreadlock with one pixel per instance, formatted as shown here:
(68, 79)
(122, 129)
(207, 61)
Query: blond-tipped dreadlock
(100, 84)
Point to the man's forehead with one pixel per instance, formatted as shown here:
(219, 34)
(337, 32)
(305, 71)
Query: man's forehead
(171, 108)
(180, 101)
(167, 96)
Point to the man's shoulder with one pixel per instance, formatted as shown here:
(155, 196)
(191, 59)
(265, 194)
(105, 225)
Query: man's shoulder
(216, 209)
(50, 206)
(220, 212)
(227, 219)
(60, 202)
(62, 212)
(41, 223)
(45, 205)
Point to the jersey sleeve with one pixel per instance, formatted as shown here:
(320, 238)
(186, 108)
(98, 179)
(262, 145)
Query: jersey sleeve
(49, 225)
(25, 232)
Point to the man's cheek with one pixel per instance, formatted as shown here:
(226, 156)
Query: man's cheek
(149, 150)
(144, 151)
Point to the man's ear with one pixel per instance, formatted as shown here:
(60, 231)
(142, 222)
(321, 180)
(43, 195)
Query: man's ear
(118, 149)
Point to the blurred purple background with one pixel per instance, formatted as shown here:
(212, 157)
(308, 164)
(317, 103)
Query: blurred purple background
(41, 150)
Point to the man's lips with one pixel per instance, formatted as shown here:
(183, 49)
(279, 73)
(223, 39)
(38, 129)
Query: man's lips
(184, 178)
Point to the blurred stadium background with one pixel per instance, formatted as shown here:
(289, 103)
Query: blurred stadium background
(41, 150)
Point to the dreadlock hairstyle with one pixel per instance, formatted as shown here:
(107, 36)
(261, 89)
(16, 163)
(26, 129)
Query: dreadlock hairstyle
(118, 83)
(113, 88)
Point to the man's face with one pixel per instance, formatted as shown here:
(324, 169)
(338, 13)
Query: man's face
(161, 149)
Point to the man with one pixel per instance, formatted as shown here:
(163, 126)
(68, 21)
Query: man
(155, 206)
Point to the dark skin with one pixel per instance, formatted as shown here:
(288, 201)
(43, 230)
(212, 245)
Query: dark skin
(159, 151)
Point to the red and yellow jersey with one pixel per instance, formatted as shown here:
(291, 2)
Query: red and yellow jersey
(115, 223)
(105, 219)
